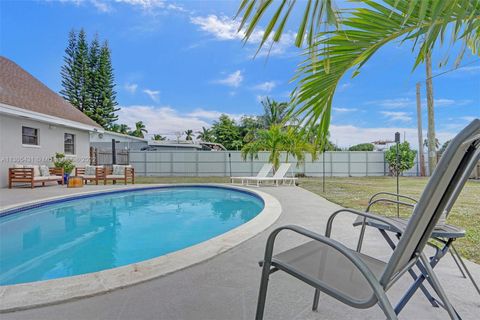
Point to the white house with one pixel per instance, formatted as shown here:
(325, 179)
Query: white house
(35, 122)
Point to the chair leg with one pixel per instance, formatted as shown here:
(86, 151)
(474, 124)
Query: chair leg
(438, 288)
(465, 268)
(360, 237)
(316, 297)
(262, 295)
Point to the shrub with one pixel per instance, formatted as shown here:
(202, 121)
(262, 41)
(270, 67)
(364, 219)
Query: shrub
(60, 161)
(406, 158)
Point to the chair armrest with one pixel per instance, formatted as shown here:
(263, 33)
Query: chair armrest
(392, 194)
(99, 172)
(129, 171)
(79, 171)
(20, 173)
(57, 171)
(384, 220)
(370, 204)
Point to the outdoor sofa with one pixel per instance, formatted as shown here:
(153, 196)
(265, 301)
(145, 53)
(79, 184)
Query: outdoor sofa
(91, 173)
(33, 174)
(120, 173)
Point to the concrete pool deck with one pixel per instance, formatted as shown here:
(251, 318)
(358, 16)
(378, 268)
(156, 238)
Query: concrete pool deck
(226, 286)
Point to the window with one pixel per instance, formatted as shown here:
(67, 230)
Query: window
(30, 136)
(69, 143)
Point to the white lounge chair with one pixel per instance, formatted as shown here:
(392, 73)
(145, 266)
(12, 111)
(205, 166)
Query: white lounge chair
(280, 175)
(264, 171)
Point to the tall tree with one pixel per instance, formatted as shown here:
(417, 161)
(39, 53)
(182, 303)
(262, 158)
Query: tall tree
(82, 69)
(88, 80)
(139, 130)
(189, 135)
(69, 74)
(205, 135)
(226, 132)
(273, 112)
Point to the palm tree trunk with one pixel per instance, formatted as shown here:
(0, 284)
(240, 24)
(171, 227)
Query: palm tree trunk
(432, 154)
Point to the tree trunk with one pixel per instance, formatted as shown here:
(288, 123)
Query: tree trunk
(432, 154)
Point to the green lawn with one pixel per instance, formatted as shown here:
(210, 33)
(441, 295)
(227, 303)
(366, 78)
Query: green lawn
(355, 192)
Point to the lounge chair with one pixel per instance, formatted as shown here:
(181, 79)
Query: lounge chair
(277, 177)
(120, 173)
(357, 279)
(33, 174)
(264, 171)
(91, 173)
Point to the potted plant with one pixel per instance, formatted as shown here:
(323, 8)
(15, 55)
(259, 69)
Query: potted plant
(60, 161)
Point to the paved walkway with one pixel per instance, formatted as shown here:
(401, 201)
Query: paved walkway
(226, 286)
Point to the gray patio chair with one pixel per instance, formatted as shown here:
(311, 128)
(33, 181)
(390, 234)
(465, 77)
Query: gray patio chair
(359, 280)
(443, 234)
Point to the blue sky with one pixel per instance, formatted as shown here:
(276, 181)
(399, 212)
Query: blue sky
(179, 65)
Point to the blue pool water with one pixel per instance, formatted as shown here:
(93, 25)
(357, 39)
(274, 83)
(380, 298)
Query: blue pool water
(111, 230)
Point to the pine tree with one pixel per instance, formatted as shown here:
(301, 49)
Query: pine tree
(70, 81)
(87, 78)
(82, 70)
(107, 99)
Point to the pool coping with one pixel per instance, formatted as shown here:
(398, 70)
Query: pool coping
(36, 294)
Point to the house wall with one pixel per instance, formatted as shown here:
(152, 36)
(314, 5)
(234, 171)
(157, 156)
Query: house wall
(51, 141)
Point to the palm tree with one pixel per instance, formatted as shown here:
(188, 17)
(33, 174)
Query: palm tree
(139, 129)
(356, 38)
(189, 135)
(267, 140)
(158, 137)
(273, 112)
(123, 129)
(205, 135)
(115, 127)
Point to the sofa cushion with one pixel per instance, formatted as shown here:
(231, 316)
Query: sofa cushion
(90, 170)
(118, 170)
(44, 171)
(116, 176)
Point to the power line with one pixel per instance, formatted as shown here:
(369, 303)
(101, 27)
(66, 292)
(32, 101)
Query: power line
(453, 69)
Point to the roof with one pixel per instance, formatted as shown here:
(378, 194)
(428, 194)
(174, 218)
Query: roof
(20, 89)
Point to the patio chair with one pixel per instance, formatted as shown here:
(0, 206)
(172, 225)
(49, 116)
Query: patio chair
(277, 177)
(119, 172)
(443, 234)
(264, 171)
(357, 279)
(91, 173)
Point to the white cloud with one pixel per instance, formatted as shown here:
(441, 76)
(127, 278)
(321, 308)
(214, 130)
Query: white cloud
(232, 80)
(266, 86)
(212, 114)
(345, 110)
(101, 6)
(397, 116)
(146, 5)
(408, 102)
(130, 87)
(344, 87)
(153, 94)
(469, 69)
(164, 119)
(224, 28)
(349, 135)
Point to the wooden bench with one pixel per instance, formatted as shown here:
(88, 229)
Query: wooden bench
(99, 174)
(26, 175)
(129, 174)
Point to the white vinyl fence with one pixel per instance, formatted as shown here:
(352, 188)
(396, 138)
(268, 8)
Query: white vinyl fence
(230, 163)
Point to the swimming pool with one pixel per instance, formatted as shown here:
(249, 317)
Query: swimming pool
(99, 232)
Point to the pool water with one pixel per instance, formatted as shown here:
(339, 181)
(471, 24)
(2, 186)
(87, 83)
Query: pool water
(106, 231)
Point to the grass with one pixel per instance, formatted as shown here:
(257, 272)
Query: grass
(355, 193)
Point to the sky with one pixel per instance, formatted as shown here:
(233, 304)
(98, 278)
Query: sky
(180, 64)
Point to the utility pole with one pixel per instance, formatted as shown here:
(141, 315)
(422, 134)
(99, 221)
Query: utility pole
(421, 159)
(432, 153)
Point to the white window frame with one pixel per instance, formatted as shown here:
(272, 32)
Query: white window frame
(29, 145)
(74, 144)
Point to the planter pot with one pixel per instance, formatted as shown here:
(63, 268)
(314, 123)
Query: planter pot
(65, 177)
